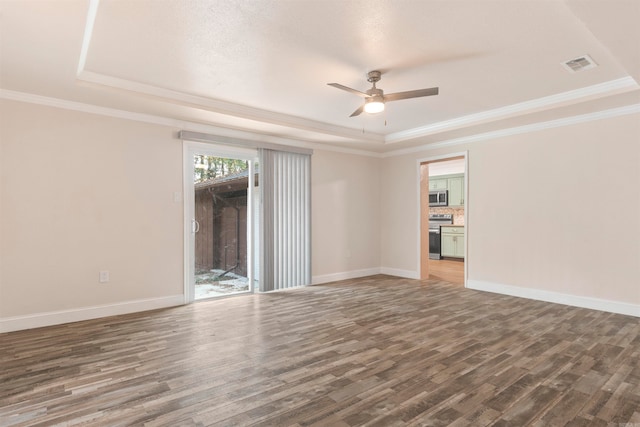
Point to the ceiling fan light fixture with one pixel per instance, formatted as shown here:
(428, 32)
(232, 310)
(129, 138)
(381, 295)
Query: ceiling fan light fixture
(375, 99)
(374, 105)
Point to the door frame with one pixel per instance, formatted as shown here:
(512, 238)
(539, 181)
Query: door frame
(189, 149)
(442, 157)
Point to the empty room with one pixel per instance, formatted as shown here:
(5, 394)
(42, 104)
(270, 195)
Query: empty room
(320, 213)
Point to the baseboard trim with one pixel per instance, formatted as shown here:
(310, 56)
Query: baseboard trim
(556, 297)
(354, 274)
(408, 274)
(37, 320)
(345, 275)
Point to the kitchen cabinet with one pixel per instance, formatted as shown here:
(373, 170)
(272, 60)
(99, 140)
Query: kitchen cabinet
(437, 184)
(455, 185)
(452, 241)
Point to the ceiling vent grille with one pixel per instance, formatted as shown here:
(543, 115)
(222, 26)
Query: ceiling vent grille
(580, 63)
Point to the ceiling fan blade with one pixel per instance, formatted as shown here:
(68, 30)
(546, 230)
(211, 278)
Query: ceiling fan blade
(358, 111)
(348, 89)
(411, 94)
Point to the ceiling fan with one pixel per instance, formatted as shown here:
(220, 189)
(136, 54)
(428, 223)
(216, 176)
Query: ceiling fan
(374, 98)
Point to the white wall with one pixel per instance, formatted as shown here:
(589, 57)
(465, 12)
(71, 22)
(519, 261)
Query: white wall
(555, 211)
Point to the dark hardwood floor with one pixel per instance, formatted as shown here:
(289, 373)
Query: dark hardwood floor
(379, 351)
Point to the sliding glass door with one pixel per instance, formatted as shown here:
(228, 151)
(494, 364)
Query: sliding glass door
(243, 235)
(219, 188)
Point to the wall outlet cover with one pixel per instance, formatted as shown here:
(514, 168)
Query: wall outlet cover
(104, 276)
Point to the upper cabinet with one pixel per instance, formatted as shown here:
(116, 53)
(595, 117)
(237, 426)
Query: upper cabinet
(454, 184)
(438, 184)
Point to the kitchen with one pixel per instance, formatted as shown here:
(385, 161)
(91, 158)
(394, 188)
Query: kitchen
(446, 219)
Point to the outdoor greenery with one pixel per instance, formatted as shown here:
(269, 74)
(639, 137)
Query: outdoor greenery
(209, 167)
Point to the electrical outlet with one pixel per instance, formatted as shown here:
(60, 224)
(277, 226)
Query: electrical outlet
(104, 276)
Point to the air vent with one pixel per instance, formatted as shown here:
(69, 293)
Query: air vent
(580, 63)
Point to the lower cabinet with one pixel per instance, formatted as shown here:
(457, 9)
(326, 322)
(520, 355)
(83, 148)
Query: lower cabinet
(452, 242)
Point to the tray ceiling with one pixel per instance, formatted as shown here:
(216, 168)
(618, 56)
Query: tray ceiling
(263, 66)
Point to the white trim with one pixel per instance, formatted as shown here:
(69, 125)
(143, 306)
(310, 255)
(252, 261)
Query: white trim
(229, 108)
(37, 320)
(345, 275)
(408, 274)
(178, 124)
(88, 32)
(189, 149)
(250, 234)
(443, 157)
(465, 155)
(553, 101)
(188, 199)
(466, 217)
(556, 297)
(206, 138)
(220, 150)
(565, 121)
(255, 136)
(354, 274)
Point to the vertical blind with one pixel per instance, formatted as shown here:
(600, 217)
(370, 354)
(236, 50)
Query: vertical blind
(285, 223)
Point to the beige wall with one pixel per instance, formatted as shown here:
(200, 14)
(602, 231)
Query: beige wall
(555, 210)
(399, 221)
(80, 193)
(346, 219)
(83, 193)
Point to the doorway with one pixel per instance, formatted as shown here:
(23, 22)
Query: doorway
(443, 218)
(219, 191)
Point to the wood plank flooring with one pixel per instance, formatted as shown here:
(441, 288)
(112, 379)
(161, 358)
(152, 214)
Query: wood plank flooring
(379, 351)
(449, 270)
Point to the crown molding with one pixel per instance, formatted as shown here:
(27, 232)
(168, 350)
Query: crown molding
(240, 111)
(228, 108)
(566, 121)
(92, 11)
(176, 124)
(254, 136)
(612, 87)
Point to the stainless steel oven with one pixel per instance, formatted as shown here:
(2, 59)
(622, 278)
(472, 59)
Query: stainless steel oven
(435, 221)
(439, 198)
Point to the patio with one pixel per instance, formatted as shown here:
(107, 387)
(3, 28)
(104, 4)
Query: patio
(215, 283)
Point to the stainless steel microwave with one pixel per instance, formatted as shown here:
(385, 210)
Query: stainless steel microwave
(439, 198)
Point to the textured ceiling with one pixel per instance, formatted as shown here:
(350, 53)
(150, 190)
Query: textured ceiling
(263, 66)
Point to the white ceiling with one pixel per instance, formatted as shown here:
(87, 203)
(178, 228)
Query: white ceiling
(263, 66)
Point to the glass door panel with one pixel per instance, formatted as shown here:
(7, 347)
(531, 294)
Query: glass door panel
(221, 265)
